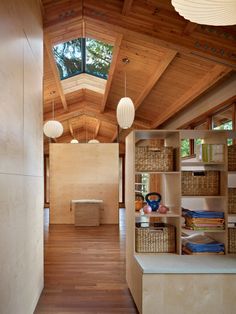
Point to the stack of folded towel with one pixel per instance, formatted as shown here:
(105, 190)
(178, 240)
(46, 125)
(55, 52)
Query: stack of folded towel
(198, 243)
(203, 220)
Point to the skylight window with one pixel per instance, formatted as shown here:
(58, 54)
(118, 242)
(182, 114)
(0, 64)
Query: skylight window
(83, 55)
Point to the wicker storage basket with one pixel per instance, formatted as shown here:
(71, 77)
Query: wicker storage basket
(232, 240)
(154, 158)
(232, 158)
(199, 183)
(158, 238)
(232, 200)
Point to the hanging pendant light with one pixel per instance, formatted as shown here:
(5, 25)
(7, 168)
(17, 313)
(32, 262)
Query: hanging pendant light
(125, 111)
(93, 141)
(74, 141)
(213, 12)
(53, 128)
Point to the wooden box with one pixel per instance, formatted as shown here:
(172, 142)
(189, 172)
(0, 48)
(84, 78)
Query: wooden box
(86, 212)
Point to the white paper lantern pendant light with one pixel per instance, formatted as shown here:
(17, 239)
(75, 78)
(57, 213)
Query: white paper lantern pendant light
(93, 141)
(207, 12)
(53, 128)
(74, 141)
(125, 111)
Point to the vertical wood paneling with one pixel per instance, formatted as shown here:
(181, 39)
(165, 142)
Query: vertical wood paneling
(83, 171)
(21, 175)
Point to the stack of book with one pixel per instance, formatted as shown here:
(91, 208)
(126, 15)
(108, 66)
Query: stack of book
(210, 152)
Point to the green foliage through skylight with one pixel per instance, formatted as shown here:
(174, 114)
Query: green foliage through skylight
(83, 56)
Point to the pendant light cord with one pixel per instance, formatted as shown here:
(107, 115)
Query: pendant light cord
(53, 117)
(125, 82)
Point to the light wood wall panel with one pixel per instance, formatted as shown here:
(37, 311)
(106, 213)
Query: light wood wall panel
(189, 293)
(83, 171)
(21, 162)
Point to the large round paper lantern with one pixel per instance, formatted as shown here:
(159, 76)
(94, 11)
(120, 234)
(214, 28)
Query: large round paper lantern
(207, 12)
(53, 129)
(93, 141)
(74, 141)
(125, 113)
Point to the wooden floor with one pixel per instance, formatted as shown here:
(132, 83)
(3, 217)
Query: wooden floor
(85, 270)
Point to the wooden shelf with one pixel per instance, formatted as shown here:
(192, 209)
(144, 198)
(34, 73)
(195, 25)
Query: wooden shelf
(169, 186)
(153, 214)
(203, 196)
(158, 172)
(190, 231)
(199, 163)
(231, 215)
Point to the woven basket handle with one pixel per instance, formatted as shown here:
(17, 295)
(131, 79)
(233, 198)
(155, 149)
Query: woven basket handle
(154, 149)
(156, 229)
(199, 173)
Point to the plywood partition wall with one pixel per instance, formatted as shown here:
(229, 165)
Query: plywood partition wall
(21, 156)
(83, 171)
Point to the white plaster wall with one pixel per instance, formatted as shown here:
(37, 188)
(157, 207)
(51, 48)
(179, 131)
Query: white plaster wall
(21, 156)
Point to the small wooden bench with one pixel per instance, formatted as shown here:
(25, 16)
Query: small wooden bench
(86, 212)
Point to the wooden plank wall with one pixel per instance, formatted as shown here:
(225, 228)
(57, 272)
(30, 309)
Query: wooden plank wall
(83, 171)
(21, 156)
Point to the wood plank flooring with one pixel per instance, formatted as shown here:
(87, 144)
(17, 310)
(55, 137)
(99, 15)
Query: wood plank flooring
(85, 270)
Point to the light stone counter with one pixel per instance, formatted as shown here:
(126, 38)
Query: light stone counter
(87, 201)
(185, 264)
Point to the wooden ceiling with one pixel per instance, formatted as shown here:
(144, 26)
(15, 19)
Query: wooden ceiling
(172, 63)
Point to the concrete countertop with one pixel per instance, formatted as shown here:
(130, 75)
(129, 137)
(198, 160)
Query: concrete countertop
(87, 201)
(186, 264)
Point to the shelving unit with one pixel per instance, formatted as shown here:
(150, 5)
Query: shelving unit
(206, 202)
(145, 271)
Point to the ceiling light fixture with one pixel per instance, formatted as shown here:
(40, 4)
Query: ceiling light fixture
(74, 141)
(214, 12)
(125, 110)
(93, 141)
(53, 128)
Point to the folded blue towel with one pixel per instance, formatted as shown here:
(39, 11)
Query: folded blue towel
(202, 213)
(201, 243)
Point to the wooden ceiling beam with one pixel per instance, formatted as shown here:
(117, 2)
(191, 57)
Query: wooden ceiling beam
(48, 47)
(155, 77)
(71, 128)
(189, 28)
(126, 6)
(200, 45)
(123, 133)
(86, 108)
(66, 138)
(207, 81)
(115, 54)
(204, 42)
(114, 137)
(97, 128)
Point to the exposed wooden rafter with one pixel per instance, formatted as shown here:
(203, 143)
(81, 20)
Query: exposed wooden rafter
(175, 63)
(85, 109)
(71, 128)
(155, 77)
(97, 128)
(48, 47)
(126, 6)
(115, 54)
(114, 137)
(195, 91)
(201, 45)
(189, 28)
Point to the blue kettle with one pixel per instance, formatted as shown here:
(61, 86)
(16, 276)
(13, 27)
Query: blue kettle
(152, 201)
